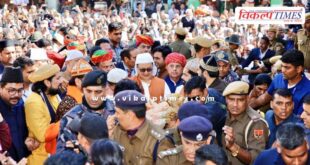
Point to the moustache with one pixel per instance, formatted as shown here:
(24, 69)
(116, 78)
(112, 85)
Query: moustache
(15, 98)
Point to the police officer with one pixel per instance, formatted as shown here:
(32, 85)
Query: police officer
(140, 140)
(179, 45)
(93, 101)
(211, 110)
(224, 67)
(276, 44)
(234, 43)
(195, 131)
(245, 132)
(303, 41)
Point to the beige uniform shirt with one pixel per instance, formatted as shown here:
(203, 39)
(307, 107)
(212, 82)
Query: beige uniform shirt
(257, 137)
(138, 150)
(303, 44)
(273, 46)
(233, 60)
(172, 156)
(181, 47)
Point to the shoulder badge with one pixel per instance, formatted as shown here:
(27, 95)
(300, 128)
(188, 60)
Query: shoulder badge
(220, 56)
(254, 115)
(158, 132)
(122, 148)
(258, 133)
(199, 137)
(157, 135)
(169, 152)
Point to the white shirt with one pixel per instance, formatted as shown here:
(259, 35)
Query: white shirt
(27, 93)
(262, 54)
(146, 89)
(19, 2)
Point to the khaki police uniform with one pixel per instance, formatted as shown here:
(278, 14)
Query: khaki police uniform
(181, 47)
(139, 149)
(174, 134)
(250, 129)
(302, 42)
(257, 134)
(273, 46)
(232, 57)
(172, 156)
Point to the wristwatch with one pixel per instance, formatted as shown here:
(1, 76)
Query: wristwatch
(235, 150)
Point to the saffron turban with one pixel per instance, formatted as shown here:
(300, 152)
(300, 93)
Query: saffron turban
(144, 39)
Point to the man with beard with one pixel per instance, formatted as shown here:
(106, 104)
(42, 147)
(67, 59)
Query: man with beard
(159, 54)
(7, 53)
(12, 110)
(40, 107)
(93, 101)
(292, 78)
(209, 70)
(27, 66)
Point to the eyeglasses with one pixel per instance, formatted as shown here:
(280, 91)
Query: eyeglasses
(13, 91)
(145, 69)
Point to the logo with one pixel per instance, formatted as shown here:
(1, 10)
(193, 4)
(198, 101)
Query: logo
(270, 15)
(199, 137)
(221, 55)
(258, 133)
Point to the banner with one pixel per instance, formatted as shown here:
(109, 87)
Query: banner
(270, 15)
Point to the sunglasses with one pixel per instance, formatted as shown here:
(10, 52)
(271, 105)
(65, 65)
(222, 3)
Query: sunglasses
(146, 69)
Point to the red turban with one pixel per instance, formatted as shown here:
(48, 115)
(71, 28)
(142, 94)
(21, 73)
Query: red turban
(57, 58)
(175, 58)
(144, 39)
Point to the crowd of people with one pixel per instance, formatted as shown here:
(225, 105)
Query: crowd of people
(161, 84)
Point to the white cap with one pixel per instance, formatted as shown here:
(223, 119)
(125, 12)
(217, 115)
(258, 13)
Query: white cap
(115, 75)
(145, 58)
(74, 54)
(38, 54)
(59, 38)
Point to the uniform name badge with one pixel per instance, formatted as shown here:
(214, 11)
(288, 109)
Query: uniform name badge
(258, 133)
